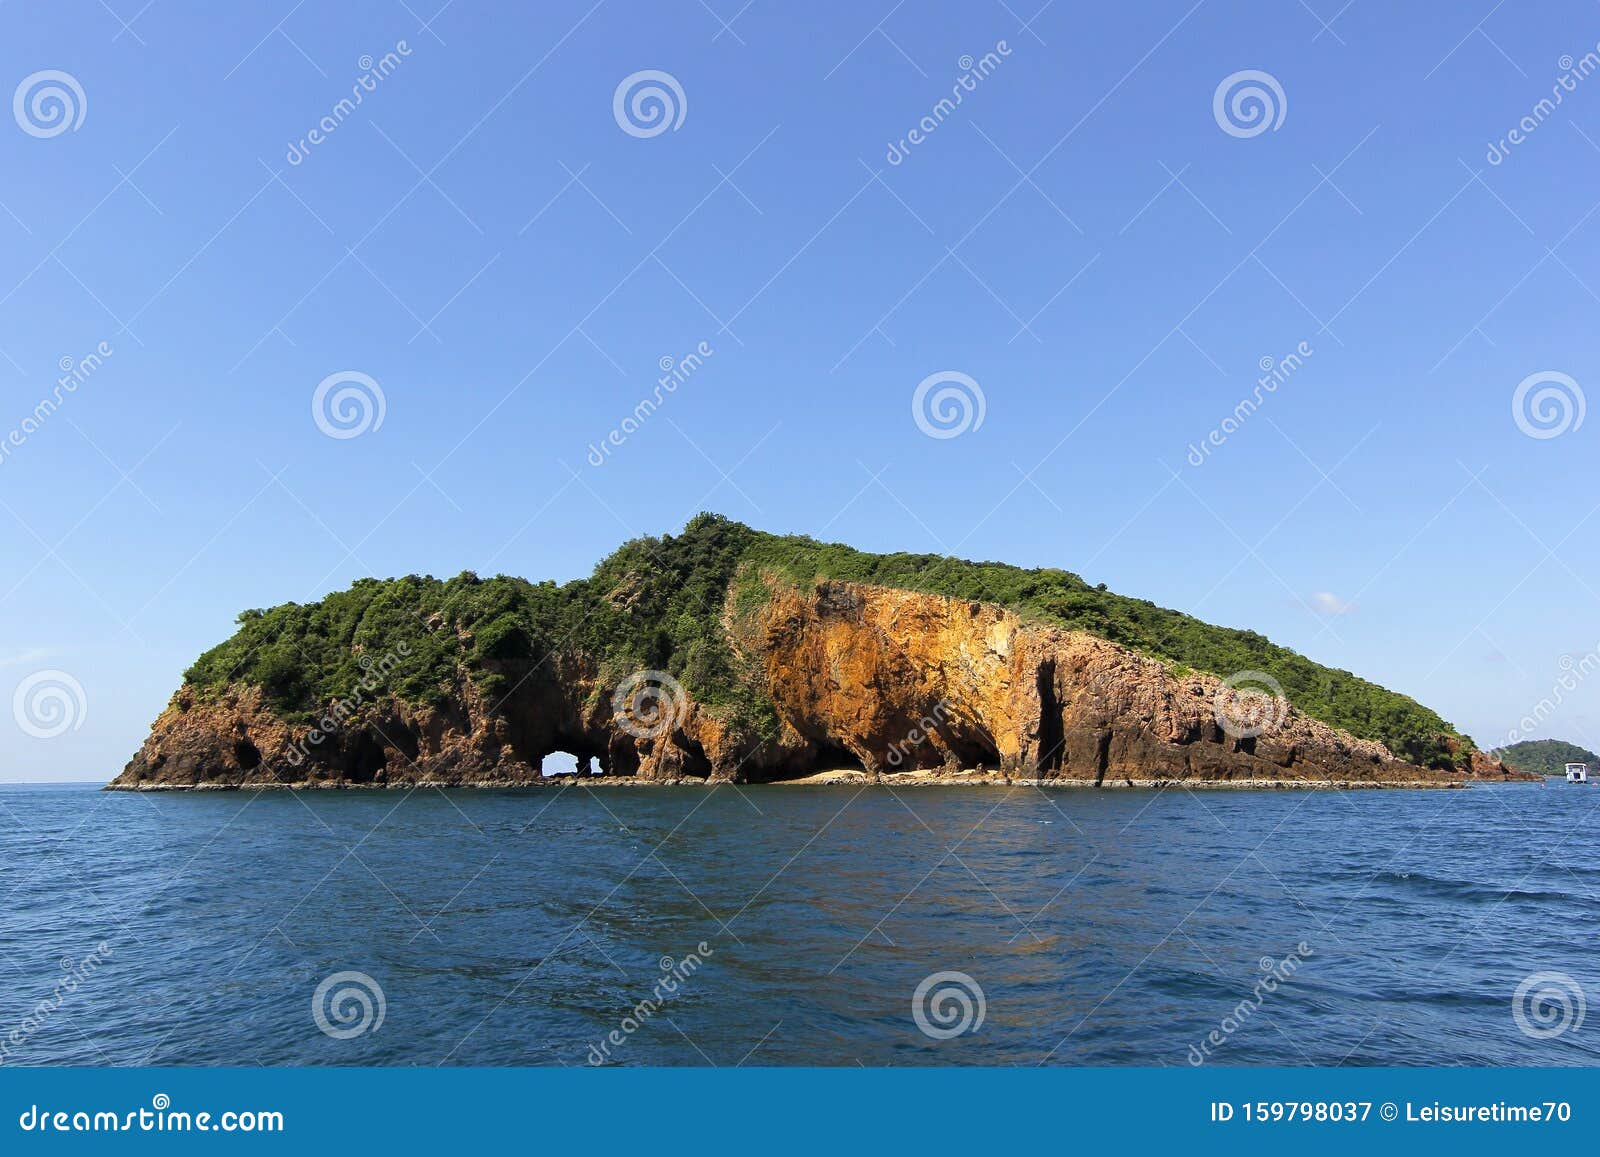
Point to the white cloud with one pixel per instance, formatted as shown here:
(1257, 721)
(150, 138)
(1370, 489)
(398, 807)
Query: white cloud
(1325, 603)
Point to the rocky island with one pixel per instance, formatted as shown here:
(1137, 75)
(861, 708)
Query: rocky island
(728, 655)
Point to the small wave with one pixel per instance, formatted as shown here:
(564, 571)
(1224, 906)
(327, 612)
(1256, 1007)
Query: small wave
(1445, 888)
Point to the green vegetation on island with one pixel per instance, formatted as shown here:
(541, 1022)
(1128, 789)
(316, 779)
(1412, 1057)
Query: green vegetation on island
(658, 603)
(1546, 756)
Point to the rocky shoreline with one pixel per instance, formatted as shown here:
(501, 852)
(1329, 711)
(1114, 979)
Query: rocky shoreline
(844, 778)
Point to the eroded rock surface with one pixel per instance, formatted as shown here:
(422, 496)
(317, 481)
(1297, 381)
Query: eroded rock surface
(880, 680)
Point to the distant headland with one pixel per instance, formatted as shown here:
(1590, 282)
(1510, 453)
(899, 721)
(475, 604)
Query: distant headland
(1545, 757)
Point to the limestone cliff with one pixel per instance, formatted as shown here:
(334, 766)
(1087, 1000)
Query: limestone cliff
(847, 675)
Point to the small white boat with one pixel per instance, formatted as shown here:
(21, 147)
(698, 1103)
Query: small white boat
(1577, 773)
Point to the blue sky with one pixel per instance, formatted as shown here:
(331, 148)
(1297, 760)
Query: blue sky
(1081, 237)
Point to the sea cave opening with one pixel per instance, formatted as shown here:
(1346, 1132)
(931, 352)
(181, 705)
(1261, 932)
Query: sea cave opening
(566, 763)
(694, 760)
(834, 756)
(973, 752)
(365, 758)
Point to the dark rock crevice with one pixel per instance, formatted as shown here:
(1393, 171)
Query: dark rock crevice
(1102, 755)
(1052, 736)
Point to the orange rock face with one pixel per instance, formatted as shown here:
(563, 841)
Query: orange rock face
(902, 680)
(882, 680)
